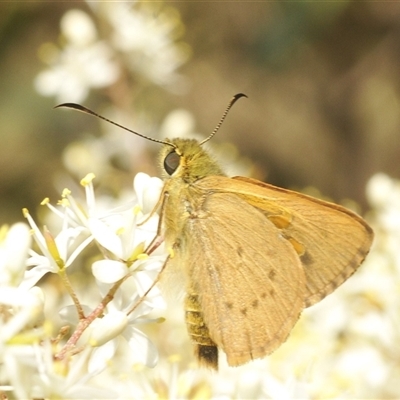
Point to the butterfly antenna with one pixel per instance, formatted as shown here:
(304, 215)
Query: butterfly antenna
(85, 110)
(233, 100)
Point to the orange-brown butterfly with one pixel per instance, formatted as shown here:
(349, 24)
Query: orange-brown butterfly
(253, 255)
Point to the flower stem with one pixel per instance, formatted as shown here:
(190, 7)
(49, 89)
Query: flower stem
(64, 277)
(84, 322)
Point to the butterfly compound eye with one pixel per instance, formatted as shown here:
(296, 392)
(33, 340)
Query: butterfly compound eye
(171, 162)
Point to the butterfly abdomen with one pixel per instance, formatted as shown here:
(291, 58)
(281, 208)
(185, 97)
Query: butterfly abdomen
(206, 350)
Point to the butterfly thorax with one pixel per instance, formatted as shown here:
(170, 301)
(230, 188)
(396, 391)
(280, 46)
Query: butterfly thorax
(184, 199)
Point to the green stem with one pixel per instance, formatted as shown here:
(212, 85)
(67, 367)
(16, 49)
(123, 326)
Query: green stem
(64, 277)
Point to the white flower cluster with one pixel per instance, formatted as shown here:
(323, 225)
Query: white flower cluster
(34, 364)
(135, 38)
(344, 347)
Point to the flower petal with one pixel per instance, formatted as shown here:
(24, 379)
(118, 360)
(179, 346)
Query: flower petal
(108, 328)
(144, 351)
(148, 190)
(69, 314)
(109, 271)
(14, 253)
(101, 356)
(33, 276)
(105, 236)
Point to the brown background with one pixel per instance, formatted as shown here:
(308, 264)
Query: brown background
(322, 80)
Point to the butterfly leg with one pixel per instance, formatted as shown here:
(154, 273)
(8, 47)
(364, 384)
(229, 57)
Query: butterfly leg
(156, 280)
(158, 238)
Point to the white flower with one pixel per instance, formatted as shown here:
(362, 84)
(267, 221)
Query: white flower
(78, 28)
(14, 245)
(17, 369)
(36, 368)
(124, 313)
(24, 308)
(116, 230)
(70, 381)
(82, 64)
(21, 311)
(57, 252)
(108, 334)
(120, 322)
(76, 71)
(148, 41)
(148, 190)
(119, 233)
(107, 328)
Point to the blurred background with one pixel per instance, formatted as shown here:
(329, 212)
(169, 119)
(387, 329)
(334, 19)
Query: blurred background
(322, 115)
(322, 79)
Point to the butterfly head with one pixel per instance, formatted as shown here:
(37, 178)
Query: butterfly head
(186, 159)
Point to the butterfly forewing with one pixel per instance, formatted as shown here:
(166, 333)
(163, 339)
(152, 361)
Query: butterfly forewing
(252, 298)
(331, 241)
